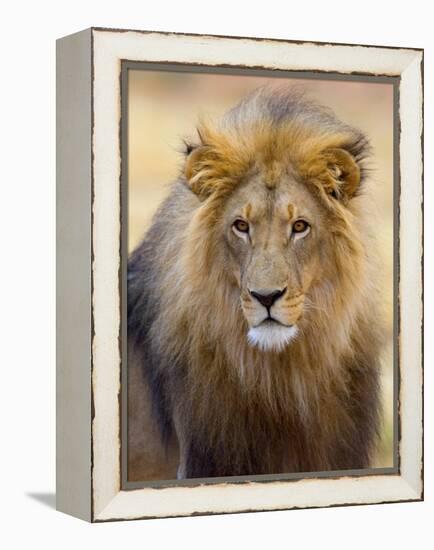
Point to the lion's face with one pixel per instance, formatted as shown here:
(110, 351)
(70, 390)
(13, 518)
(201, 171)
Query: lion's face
(273, 235)
(279, 194)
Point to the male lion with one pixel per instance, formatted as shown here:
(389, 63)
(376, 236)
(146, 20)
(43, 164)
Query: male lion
(253, 316)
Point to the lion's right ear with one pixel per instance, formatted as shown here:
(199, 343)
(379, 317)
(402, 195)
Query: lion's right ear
(196, 166)
(193, 160)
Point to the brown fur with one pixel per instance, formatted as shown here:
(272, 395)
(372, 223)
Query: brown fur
(235, 409)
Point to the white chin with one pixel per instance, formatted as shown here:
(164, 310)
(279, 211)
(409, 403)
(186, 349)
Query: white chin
(270, 336)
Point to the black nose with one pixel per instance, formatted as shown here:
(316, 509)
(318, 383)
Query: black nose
(268, 299)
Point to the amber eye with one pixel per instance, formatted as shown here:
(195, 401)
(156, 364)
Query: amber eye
(241, 226)
(300, 226)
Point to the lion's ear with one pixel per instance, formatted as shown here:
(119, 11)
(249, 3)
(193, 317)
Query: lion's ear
(341, 174)
(192, 163)
(196, 164)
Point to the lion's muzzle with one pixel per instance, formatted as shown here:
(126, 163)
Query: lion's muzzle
(272, 316)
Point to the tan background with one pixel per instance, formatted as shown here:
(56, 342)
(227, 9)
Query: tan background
(163, 108)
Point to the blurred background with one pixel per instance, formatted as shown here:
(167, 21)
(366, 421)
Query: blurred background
(163, 109)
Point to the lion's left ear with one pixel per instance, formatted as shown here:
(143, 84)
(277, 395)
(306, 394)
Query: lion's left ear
(341, 177)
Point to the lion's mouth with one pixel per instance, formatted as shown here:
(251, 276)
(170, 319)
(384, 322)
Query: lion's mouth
(271, 335)
(271, 321)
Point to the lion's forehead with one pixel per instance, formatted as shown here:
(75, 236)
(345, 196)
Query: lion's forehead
(256, 201)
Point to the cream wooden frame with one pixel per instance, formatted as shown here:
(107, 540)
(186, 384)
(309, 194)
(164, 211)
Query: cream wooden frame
(88, 461)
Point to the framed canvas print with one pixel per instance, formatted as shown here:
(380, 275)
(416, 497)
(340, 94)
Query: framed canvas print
(239, 274)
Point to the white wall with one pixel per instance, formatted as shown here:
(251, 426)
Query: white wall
(29, 30)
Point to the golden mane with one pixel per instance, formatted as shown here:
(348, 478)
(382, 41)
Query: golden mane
(322, 394)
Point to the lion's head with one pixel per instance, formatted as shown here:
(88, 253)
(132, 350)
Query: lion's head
(275, 183)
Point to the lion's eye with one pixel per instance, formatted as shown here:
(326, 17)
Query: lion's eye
(241, 226)
(300, 226)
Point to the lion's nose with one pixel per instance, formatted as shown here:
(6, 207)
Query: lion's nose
(267, 299)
